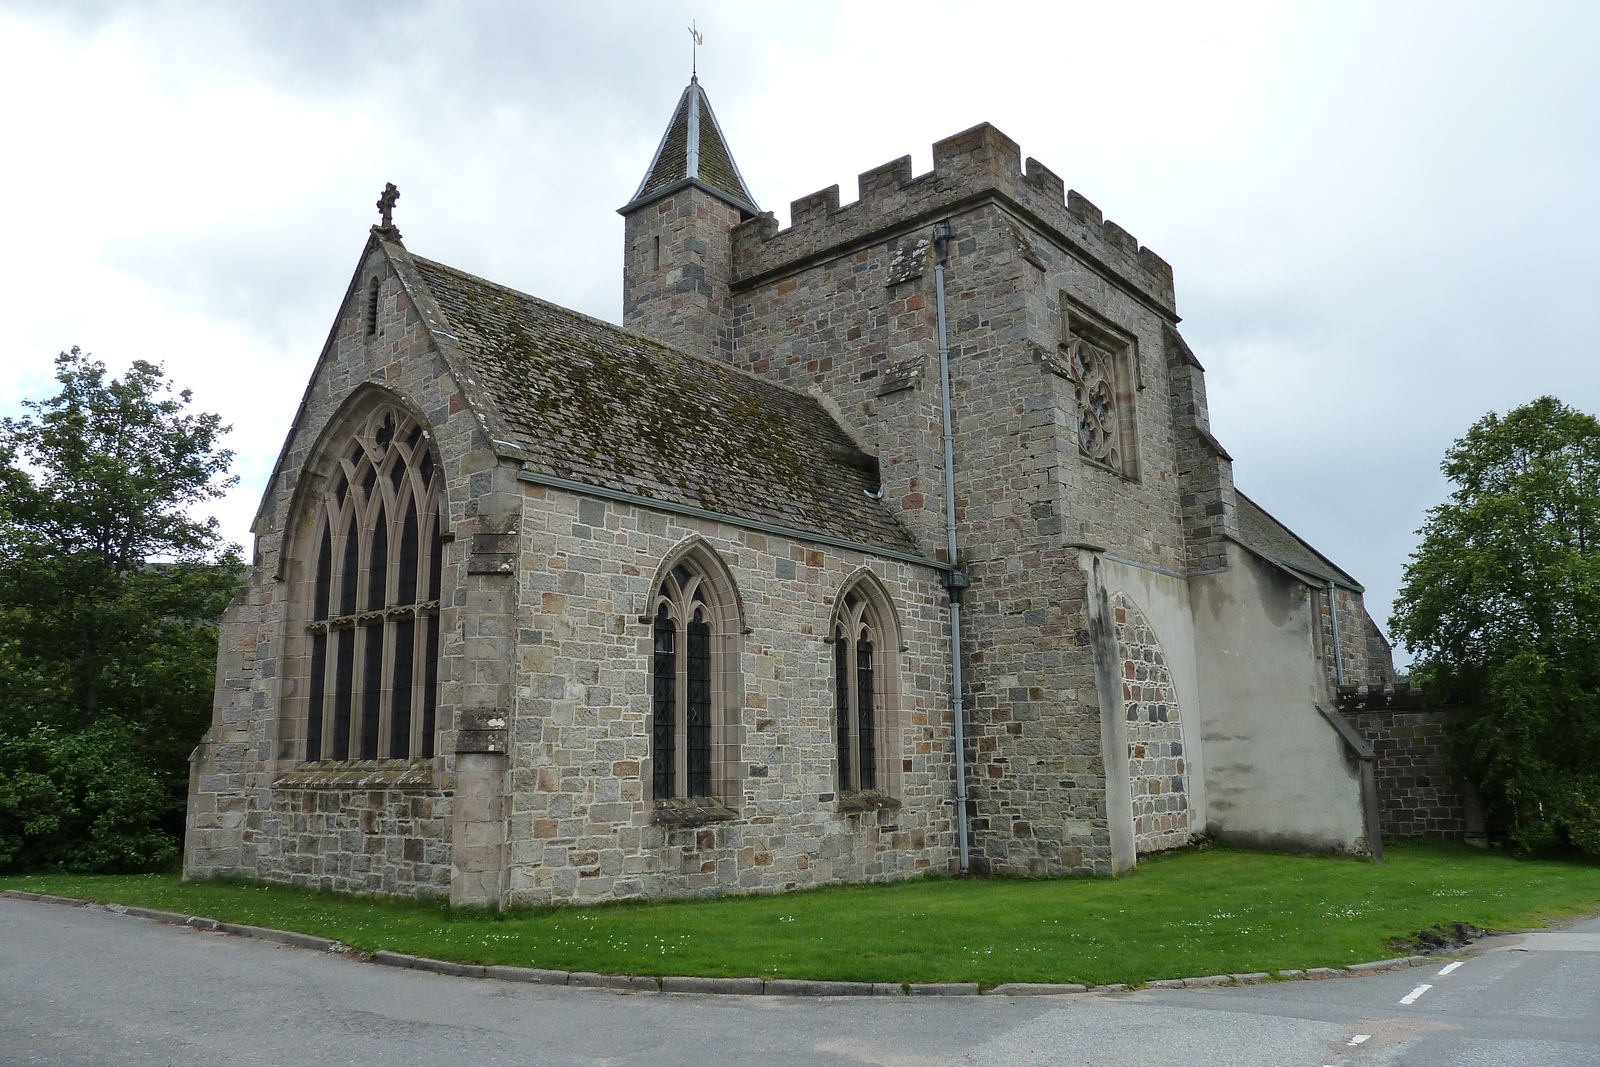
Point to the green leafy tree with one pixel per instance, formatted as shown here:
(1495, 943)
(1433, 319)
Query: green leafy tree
(109, 587)
(1501, 606)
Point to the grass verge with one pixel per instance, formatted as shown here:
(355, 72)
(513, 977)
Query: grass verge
(1188, 913)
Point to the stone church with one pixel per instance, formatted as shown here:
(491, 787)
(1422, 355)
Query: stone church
(896, 540)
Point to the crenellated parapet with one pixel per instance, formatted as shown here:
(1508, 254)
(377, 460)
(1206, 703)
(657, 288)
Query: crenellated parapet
(972, 165)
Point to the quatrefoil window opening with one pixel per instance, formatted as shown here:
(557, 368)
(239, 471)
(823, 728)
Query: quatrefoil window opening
(1092, 372)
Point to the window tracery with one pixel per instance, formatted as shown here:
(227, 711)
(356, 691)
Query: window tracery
(1092, 371)
(866, 647)
(685, 624)
(374, 619)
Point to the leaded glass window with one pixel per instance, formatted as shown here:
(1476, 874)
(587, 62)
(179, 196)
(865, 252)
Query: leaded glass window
(684, 630)
(374, 626)
(856, 702)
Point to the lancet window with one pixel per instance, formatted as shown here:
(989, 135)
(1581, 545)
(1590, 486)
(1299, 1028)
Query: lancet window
(690, 633)
(861, 689)
(374, 620)
(681, 730)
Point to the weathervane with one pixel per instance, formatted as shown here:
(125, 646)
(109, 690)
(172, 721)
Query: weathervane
(694, 50)
(386, 210)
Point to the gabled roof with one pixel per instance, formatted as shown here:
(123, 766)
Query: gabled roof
(1267, 537)
(693, 152)
(589, 402)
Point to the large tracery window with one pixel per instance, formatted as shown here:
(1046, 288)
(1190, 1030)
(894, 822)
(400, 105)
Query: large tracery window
(374, 626)
(864, 650)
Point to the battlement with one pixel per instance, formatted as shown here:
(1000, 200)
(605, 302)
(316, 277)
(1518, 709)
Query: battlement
(1372, 697)
(966, 167)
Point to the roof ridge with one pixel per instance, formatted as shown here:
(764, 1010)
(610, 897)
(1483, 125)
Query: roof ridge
(709, 361)
(1307, 545)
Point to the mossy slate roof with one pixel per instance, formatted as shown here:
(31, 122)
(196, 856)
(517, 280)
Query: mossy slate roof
(590, 402)
(1266, 536)
(710, 161)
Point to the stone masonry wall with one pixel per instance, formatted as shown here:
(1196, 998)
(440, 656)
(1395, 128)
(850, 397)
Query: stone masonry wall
(682, 296)
(1417, 796)
(1157, 763)
(582, 823)
(842, 302)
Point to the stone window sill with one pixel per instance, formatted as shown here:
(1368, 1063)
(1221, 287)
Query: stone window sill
(867, 800)
(691, 811)
(360, 774)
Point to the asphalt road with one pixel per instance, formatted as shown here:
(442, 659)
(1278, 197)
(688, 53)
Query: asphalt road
(82, 986)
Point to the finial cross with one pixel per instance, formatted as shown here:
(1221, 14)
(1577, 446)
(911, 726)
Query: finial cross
(386, 204)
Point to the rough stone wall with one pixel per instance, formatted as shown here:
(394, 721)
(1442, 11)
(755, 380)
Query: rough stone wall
(1157, 763)
(843, 302)
(1204, 468)
(1417, 796)
(326, 831)
(1363, 652)
(683, 298)
(582, 823)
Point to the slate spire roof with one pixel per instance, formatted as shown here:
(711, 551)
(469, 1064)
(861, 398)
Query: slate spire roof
(694, 152)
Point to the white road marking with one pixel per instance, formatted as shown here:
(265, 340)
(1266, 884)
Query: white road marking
(1359, 1038)
(1450, 967)
(1411, 997)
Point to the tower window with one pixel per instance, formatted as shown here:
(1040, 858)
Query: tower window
(656, 240)
(374, 292)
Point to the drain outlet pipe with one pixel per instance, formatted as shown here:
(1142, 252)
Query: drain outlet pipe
(955, 579)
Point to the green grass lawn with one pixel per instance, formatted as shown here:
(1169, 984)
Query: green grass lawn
(1188, 913)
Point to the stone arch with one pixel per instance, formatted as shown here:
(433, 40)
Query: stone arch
(1157, 763)
(361, 555)
(697, 626)
(865, 637)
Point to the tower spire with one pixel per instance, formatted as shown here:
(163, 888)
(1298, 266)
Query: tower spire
(694, 152)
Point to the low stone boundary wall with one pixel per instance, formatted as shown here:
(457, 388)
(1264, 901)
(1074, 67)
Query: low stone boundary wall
(1417, 794)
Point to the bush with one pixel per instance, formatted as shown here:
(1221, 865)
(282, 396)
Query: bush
(81, 802)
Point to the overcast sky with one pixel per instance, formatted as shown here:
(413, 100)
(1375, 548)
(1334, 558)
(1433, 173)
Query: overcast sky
(1382, 217)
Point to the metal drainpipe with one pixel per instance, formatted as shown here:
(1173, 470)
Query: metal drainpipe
(1333, 614)
(955, 579)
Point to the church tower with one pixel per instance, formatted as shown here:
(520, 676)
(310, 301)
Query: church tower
(677, 257)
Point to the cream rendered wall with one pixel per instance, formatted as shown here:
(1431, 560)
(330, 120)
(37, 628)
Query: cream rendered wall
(1277, 774)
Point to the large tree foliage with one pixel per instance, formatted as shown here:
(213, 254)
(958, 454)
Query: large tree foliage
(109, 592)
(1501, 605)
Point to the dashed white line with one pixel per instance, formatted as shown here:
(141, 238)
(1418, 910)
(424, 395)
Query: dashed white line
(1450, 967)
(1411, 997)
(1358, 1039)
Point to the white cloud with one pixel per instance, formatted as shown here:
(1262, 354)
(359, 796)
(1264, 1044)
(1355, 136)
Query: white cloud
(1380, 216)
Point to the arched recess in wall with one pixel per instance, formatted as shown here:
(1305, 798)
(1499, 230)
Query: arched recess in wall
(696, 690)
(1157, 763)
(865, 638)
(364, 556)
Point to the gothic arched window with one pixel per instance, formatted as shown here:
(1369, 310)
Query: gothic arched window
(865, 654)
(693, 623)
(374, 619)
